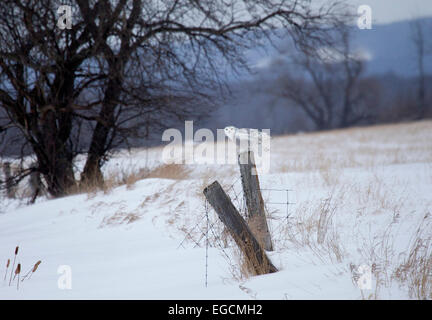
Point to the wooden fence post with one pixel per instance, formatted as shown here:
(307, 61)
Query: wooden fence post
(255, 204)
(256, 257)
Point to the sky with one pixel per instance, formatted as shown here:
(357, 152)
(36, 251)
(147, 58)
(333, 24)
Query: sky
(387, 11)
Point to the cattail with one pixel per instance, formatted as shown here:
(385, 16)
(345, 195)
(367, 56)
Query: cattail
(31, 271)
(7, 267)
(17, 273)
(16, 252)
(36, 266)
(18, 269)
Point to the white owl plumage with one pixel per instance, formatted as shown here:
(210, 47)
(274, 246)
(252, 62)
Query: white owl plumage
(243, 134)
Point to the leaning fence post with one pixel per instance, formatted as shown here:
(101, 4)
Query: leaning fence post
(239, 230)
(255, 204)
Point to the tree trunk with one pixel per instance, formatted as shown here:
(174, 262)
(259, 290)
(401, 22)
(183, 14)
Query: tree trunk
(92, 173)
(421, 94)
(55, 160)
(59, 176)
(10, 192)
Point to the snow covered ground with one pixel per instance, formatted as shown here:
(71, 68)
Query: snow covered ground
(366, 191)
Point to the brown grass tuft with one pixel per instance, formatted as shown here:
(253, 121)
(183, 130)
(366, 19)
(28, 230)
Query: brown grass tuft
(169, 171)
(416, 269)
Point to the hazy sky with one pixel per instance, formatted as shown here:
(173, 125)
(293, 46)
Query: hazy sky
(385, 11)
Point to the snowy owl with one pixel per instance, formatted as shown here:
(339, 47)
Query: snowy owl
(253, 136)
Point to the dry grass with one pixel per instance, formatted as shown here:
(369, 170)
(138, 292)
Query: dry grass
(128, 177)
(120, 217)
(248, 263)
(416, 269)
(169, 171)
(326, 213)
(362, 147)
(377, 251)
(314, 228)
(411, 269)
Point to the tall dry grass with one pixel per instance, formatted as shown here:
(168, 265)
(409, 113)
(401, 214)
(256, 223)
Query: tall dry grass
(313, 227)
(415, 269)
(128, 177)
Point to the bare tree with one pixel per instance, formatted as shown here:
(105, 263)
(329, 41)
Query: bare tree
(124, 66)
(422, 50)
(326, 83)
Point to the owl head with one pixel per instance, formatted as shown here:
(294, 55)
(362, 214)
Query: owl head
(230, 132)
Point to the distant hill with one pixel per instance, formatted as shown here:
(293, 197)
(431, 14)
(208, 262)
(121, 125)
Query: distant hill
(391, 47)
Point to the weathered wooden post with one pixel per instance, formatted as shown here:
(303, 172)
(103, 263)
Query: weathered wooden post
(10, 192)
(239, 230)
(255, 204)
